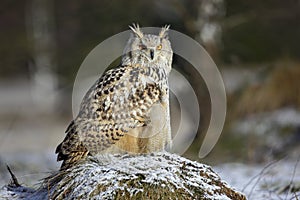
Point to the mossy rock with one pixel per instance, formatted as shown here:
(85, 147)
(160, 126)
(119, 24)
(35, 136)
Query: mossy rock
(154, 176)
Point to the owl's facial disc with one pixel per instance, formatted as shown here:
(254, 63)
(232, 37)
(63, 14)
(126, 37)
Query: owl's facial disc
(150, 47)
(148, 53)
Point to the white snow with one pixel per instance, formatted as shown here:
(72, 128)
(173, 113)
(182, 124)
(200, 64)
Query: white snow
(269, 121)
(260, 182)
(112, 172)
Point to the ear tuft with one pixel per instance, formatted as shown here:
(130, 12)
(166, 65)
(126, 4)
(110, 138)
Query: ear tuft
(164, 32)
(136, 30)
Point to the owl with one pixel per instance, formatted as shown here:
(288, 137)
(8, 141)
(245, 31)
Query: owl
(127, 109)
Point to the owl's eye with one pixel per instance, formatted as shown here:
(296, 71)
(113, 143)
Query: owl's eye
(142, 47)
(159, 47)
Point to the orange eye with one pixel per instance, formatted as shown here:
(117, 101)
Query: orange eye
(159, 47)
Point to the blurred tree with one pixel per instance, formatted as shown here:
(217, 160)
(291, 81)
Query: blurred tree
(40, 29)
(14, 49)
(211, 14)
(261, 31)
(252, 31)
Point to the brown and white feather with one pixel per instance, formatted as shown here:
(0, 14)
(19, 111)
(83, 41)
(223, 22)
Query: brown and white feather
(115, 114)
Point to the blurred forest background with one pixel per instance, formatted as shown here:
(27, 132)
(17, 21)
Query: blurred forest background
(254, 43)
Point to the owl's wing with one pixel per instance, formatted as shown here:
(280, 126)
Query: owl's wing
(117, 103)
(71, 149)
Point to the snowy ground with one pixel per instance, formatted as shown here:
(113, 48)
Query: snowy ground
(27, 145)
(270, 181)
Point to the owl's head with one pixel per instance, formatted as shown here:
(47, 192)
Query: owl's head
(148, 49)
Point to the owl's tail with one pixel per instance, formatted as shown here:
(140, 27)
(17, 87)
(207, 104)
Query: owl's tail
(71, 150)
(71, 158)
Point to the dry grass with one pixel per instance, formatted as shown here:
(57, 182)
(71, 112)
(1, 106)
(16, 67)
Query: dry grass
(281, 88)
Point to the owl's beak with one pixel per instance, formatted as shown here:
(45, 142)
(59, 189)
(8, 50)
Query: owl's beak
(151, 54)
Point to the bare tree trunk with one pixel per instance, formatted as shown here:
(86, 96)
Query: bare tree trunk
(210, 14)
(40, 28)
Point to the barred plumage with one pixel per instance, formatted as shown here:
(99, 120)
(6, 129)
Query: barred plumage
(127, 109)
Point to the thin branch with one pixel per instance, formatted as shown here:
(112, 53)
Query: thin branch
(259, 175)
(13, 178)
(292, 178)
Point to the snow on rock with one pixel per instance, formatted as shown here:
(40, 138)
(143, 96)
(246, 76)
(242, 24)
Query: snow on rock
(155, 176)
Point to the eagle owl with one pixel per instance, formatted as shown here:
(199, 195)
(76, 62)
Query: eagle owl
(127, 109)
